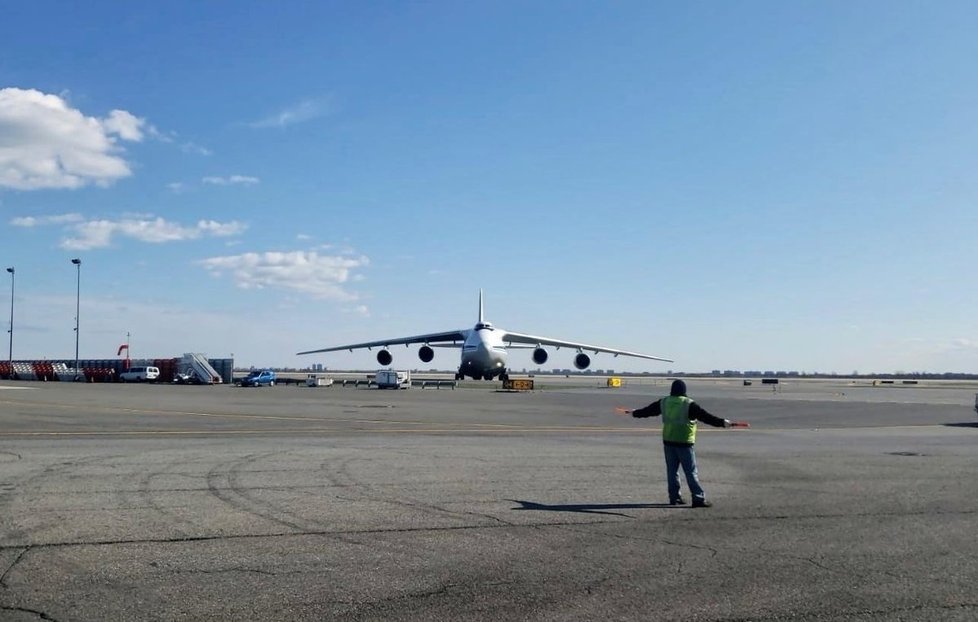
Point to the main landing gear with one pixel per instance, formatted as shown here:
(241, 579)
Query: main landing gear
(504, 376)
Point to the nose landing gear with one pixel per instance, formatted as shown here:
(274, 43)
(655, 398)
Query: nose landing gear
(503, 375)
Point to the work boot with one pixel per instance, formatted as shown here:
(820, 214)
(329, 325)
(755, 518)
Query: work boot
(677, 501)
(701, 503)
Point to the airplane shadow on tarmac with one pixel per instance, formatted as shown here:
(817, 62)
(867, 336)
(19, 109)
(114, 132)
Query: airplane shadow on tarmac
(591, 508)
(970, 424)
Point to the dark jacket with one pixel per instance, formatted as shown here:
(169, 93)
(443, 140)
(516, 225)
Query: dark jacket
(696, 413)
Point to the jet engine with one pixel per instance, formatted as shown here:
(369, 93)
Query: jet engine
(425, 353)
(384, 357)
(539, 356)
(582, 361)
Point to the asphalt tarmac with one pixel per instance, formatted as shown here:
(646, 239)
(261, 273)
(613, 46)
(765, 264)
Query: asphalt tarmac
(142, 502)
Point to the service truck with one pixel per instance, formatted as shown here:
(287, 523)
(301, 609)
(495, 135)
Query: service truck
(391, 379)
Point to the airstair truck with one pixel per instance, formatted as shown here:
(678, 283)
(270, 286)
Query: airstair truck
(194, 368)
(391, 379)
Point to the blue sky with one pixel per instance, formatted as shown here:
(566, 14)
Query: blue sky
(751, 185)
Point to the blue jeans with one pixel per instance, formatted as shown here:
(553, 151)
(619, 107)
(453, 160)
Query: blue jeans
(686, 457)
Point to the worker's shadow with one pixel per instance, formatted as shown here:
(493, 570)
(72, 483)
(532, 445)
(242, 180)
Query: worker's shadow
(589, 508)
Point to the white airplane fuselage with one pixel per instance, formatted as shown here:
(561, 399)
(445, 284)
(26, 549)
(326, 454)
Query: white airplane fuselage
(483, 354)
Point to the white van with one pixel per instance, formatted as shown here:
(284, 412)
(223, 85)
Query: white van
(391, 379)
(140, 374)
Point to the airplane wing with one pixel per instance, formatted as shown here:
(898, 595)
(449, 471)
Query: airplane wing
(449, 338)
(535, 340)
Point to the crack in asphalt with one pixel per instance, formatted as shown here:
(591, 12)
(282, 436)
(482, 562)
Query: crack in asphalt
(713, 552)
(291, 534)
(40, 614)
(434, 593)
(577, 528)
(890, 613)
(813, 562)
(268, 573)
(807, 559)
(562, 524)
(3, 577)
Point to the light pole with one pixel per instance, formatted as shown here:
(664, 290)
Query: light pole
(10, 354)
(77, 263)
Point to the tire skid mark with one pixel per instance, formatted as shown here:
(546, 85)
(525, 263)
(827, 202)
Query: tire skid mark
(150, 495)
(343, 477)
(223, 482)
(32, 482)
(270, 508)
(311, 525)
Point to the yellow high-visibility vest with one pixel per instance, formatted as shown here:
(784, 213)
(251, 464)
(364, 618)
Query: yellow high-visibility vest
(676, 425)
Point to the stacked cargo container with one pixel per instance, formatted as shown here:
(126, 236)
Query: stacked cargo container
(98, 370)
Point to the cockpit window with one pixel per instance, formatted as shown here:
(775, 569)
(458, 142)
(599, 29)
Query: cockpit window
(484, 326)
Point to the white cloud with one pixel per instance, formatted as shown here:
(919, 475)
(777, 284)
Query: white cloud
(221, 229)
(343, 250)
(191, 147)
(231, 180)
(960, 344)
(41, 221)
(320, 276)
(99, 233)
(298, 113)
(177, 187)
(48, 144)
(125, 124)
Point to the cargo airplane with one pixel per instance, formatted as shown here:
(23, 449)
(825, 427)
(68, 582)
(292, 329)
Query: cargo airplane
(483, 349)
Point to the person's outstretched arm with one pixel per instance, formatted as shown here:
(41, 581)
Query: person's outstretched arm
(700, 414)
(652, 410)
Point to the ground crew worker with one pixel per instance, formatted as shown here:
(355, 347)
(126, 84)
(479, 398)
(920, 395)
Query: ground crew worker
(679, 417)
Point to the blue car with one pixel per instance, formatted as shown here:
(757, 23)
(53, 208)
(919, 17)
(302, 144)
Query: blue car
(258, 378)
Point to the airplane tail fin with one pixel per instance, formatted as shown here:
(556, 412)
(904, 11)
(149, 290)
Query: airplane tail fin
(481, 318)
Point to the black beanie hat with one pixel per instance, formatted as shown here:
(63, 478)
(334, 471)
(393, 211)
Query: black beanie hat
(678, 388)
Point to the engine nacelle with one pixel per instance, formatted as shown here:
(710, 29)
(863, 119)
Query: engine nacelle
(582, 361)
(539, 356)
(425, 353)
(385, 358)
